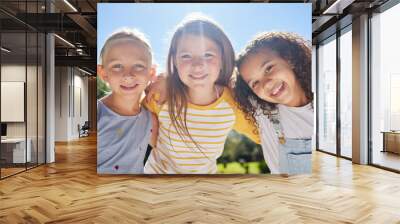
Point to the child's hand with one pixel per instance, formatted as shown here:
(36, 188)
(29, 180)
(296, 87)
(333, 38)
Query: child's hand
(157, 90)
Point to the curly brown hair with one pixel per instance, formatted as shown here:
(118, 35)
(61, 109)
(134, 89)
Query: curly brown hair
(290, 47)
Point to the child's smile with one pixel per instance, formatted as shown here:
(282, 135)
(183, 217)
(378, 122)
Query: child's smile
(272, 78)
(127, 68)
(198, 61)
(131, 83)
(129, 87)
(198, 76)
(278, 89)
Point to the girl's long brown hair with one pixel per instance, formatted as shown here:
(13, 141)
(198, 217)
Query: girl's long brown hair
(290, 47)
(177, 92)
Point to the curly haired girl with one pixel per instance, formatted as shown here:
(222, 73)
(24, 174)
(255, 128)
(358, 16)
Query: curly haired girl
(273, 88)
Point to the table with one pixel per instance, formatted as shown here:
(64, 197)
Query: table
(16, 147)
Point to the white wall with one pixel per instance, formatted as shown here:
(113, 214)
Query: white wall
(13, 73)
(80, 110)
(69, 85)
(61, 103)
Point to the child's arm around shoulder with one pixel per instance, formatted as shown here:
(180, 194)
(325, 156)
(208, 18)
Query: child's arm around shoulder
(154, 130)
(154, 108)
(243, 125)
(157, 90)
(152, 105)
(155, 95)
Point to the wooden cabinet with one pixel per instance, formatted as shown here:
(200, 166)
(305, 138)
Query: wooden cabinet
(391, 142)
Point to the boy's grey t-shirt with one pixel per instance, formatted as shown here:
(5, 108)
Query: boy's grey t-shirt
(121, 140)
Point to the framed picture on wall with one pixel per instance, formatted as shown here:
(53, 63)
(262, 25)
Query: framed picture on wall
(12, 98)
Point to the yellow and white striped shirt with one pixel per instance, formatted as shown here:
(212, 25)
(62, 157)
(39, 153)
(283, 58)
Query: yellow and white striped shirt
(209, 127)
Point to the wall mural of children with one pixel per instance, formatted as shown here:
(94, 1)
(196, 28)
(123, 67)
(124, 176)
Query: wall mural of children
(203, 94)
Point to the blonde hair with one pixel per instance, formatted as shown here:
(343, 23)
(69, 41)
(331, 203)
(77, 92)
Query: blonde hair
(125, 34)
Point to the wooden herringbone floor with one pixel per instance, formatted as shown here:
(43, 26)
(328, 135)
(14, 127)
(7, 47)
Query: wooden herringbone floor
(70, 191)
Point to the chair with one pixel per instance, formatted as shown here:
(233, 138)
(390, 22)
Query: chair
(84, 130)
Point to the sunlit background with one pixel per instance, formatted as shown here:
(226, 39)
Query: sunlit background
(240, 21)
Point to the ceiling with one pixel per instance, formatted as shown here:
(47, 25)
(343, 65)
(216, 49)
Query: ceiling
(330, 15)
(75, 23)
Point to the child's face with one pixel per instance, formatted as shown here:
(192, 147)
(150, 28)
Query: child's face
(272, 78)
(127, 68)
(198, 61)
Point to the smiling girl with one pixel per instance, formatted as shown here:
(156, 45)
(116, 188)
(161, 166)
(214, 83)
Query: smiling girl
(200, 110)
(274, 89)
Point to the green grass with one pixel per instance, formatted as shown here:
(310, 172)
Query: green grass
(236, 168)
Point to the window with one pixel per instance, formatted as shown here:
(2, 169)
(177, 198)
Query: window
(385, 86)
(327, 95)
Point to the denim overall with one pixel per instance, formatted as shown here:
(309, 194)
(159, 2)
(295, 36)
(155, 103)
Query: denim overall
(294, 153)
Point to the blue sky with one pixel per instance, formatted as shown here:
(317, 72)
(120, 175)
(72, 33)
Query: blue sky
(240, 21)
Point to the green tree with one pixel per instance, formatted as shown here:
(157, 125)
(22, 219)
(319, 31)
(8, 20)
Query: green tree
(239, 148)
(231, 143)
(102, 88)
(263, 167)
